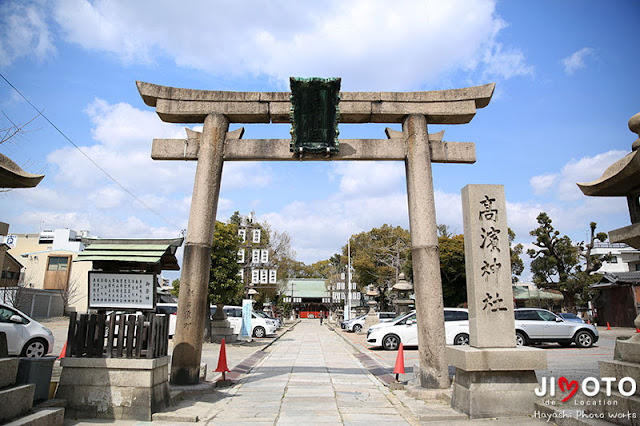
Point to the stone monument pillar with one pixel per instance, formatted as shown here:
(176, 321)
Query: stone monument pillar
(493, 376)
(192, 302)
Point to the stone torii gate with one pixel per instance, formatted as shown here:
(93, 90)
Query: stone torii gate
(215, 145)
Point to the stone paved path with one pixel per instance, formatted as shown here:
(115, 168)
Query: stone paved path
(310, 376)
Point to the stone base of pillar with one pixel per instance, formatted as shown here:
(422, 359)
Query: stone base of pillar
(422, 379)
(495, 382)
(114, 388)
(221, 329)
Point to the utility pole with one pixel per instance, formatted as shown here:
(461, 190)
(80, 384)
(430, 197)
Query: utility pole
(348, 304)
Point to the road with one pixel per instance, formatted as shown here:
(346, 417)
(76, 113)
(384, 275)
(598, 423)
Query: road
(574, 363)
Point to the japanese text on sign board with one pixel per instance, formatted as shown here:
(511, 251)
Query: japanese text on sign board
(125, 291)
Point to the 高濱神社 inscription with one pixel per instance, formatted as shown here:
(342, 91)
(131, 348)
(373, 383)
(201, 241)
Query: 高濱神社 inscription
(488, 266)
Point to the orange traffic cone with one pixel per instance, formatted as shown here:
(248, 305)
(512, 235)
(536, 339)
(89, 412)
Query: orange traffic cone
(399, 369)
(608, 327)
(64, 351)
(222, 361)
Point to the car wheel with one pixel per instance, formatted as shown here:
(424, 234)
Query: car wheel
(391, 342)
(35, 348)
(357, 328)
(259, 332)
(521, 339)
(584, 339)
(461, 339)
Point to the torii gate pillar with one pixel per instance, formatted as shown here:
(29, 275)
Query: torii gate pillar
(194, 280)
(434, 370)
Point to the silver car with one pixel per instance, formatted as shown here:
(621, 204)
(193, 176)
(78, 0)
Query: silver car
(540, 326)
(25, 336)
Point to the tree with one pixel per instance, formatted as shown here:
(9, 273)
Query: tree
(176, 287)
(225, 286)
(557, 261)
(452, 269)
(517, 265)
(378, 257)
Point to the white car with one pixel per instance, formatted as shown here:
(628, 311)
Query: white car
(405, 330)
(357, 324)
(260, 327)
(535, 325)
(25, 336)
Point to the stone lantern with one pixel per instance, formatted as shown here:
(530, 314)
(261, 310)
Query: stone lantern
(402, 290)
(372, 317)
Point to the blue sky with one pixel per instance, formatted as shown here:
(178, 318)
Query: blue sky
(566, 85)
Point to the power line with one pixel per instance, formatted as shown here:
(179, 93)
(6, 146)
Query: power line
(145, 205)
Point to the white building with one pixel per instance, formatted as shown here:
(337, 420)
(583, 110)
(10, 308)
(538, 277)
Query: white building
(623, 257)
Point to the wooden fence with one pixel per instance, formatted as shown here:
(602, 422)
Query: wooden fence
(118, 335)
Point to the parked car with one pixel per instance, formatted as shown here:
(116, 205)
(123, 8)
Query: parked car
(535, 325)
(260, 327)
(357, 324)
(568, 316)
(25, 336)
(405, 330)
(265, 315)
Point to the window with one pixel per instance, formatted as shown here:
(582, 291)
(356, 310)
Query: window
(409, 318)
(527, 315)
(58, 263)
(614, 259)
(455, 315)
(6, 314)
(547, 316)
(637, 266)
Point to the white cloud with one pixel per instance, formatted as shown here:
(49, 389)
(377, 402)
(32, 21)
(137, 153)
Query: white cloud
(563, 186)
(24, 32)
(507, 63)
(541, 184)
(576, 61)
(358, 40)
(367, 178)
(586, 169)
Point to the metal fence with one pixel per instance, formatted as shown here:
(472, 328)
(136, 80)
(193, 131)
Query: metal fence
(34, 302)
